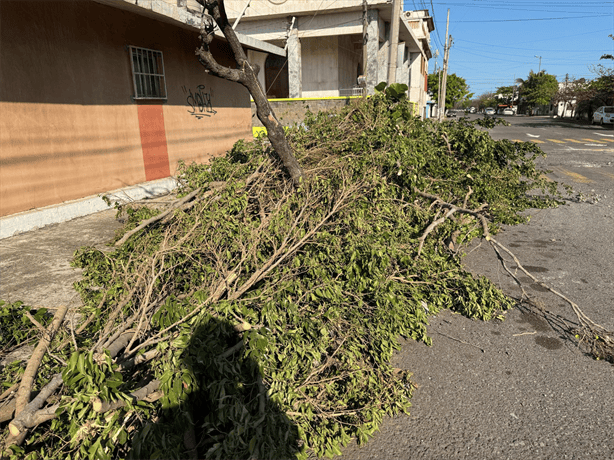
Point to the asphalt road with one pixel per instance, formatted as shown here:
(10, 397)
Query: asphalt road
(578, 154)
(521, 389)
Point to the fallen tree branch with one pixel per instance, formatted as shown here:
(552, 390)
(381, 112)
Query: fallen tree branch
(600, 339)
(157, 217)
(27, 380)
(432, 227)
(138, 359)
(452, 209)
(118, 344)
(30, 415)
(7, 411)
(9, 391)
(33, 320)
(584, 320)
(460, 341)
(138, 395)
(590, 331)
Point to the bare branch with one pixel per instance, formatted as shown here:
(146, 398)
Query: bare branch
(247, 75)
(25, 388)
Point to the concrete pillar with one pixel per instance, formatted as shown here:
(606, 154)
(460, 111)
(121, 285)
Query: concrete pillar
(259, 58)
(384, 51)
(416, 82)
(372, 50)
(414, 71)
(295, 74)
(400, 76)
(405, 71)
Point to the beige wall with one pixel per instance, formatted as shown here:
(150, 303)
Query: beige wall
(350, 58)
(320, 66)
(68, 125)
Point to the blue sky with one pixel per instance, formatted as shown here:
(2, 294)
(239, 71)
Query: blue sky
(496, 41)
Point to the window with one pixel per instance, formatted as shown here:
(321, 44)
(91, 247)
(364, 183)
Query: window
(147, 73)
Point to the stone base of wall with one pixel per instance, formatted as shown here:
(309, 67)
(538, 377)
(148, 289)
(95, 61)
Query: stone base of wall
(292, 111)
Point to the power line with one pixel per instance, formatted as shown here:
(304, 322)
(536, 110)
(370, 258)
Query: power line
(572, 3)
(536, 19)
(484, 54)
(583, 50)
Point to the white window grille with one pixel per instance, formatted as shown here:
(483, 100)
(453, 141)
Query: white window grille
(147, 73)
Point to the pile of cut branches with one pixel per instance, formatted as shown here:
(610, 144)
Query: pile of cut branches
(256, 319)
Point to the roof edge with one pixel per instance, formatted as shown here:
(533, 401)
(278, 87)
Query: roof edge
(184, 17)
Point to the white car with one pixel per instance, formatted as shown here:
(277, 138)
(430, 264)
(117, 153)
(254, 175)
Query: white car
(604, 115)
(489, 112)
(508, 111)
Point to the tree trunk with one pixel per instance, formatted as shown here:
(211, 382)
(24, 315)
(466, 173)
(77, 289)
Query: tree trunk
(245, 74)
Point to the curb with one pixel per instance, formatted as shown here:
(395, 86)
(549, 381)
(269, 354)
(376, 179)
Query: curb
(30, 220)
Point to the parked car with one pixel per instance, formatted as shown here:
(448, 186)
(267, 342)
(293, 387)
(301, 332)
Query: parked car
(489, 112)
(508, 111)
(603, 115)
(451, 114)
(472, 110)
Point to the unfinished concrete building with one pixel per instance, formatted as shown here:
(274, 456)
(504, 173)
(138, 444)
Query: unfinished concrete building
(331, 44)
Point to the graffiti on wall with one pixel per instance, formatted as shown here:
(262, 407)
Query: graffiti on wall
(199, 102)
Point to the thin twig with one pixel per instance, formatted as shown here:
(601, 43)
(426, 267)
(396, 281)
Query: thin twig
(461, 341)
(36, 323)
(157, 217)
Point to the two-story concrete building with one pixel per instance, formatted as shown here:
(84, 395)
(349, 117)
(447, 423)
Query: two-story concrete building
(331, 44)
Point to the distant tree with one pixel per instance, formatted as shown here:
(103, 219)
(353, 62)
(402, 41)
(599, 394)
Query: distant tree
(538, 89)
(505, 93)
(486, 100)
(572, 93)
(599, 91)
(457, 90)
(608, 56)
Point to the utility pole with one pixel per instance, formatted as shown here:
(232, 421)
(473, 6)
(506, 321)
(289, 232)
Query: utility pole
(394, 42)
(442, 94)
(438, 94)
(540, 63)
(362, 79)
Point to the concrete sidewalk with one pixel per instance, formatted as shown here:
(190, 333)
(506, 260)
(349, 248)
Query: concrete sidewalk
(35, 266)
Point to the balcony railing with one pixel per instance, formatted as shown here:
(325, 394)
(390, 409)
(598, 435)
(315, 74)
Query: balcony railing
(356, 91)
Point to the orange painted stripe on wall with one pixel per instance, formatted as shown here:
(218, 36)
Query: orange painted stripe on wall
(153, 142)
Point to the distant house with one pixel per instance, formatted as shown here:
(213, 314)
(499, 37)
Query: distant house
(331, 44)
(101, 95)
(567, 102)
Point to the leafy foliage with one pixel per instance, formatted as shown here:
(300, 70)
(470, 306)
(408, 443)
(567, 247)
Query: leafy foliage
(539, 88)
(506, 93)
(15, 326)
(457, 90)
(274, 312)
(486, 100)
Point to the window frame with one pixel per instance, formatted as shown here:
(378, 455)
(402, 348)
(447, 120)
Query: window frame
(152, 82)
